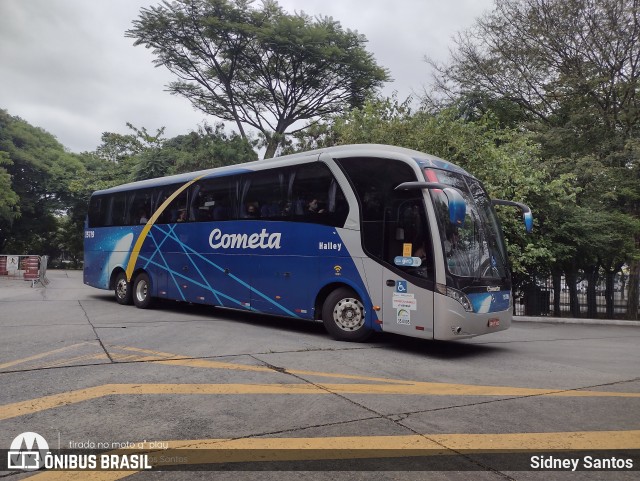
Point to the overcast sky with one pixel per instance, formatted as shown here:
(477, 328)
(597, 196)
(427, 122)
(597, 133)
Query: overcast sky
(66, 66)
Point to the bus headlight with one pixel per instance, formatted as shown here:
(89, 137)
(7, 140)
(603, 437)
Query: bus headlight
(455, 294)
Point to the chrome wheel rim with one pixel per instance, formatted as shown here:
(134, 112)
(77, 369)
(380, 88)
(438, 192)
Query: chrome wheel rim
(141, 291)
(349, 314)
(121, 288)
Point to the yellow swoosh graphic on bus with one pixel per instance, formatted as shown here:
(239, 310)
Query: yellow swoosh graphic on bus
(145, 230)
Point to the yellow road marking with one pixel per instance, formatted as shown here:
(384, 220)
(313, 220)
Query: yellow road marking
(73, 360)
(40, 356)
(580, 440)
(204, 363)
(203, 451)
(158, 354)
(421, 389)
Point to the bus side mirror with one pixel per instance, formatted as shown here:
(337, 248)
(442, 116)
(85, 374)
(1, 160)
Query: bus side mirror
(527, 216)
(457, 206)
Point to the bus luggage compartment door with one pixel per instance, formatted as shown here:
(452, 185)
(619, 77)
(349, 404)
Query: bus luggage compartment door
(278, 285)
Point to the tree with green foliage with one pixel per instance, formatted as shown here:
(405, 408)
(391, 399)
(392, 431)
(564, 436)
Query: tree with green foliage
(207, 148)
(569, 71)
(40, 171)
(9, 200)
(259, 67)
(45, 190)
(143, 156)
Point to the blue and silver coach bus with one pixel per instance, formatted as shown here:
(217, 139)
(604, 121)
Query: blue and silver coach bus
(363, 237)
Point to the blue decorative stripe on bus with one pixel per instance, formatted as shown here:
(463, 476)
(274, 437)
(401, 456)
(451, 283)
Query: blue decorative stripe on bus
(192, 256)
(221, 263)
(484, 302)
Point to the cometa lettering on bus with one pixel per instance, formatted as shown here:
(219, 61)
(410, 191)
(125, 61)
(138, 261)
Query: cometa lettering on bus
(263, 240)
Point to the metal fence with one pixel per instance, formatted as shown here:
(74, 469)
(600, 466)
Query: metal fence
(31, 268)
(538, 296)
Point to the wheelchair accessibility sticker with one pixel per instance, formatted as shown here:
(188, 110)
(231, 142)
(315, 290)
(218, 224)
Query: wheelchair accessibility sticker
(401, 287)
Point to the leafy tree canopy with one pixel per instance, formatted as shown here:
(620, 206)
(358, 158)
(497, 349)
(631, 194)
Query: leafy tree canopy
(258, 66)
(36, 171)
(568, 71)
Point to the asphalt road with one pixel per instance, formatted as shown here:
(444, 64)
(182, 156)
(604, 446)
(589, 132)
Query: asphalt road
(182, 380)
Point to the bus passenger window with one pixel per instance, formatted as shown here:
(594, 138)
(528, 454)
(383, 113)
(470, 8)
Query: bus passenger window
(212, 200)
(317, 196)
(139, 207)
(98, 209)
(118, 210)
(173, 211)
(265, 194)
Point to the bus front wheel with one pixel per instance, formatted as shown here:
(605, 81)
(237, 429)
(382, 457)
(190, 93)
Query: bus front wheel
(344, 317)
(142, 291)
(123, 290)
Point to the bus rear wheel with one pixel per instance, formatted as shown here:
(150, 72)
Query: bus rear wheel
(344, 317)
(142, 291)
(122, 290)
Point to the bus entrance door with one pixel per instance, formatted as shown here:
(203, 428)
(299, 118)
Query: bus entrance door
(408, 285)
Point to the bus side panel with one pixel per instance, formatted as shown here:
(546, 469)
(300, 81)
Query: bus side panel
(106, 249)
(183, 268)
(273, 267)
(312, 257)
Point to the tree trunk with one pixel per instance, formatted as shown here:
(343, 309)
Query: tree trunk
(591, 273)
(632, 297)
(574, 302)
(557, 289)
(610, 287)
(272, 147)
(274, 140)
(609, 293)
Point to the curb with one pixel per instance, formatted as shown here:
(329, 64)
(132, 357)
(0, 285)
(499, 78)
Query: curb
(568, 320)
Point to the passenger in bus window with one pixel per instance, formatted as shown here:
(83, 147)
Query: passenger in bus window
(285, 211)
(252, 211)
(420, 252)
(143, 217)
(314, 208)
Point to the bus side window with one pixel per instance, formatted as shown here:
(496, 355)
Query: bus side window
(98, 208)
(176, 211)
(212, 200)
(139, 207)
(317, 197)
(118, 210)
(265, 195)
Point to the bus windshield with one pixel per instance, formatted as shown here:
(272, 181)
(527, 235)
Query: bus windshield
(475, 250)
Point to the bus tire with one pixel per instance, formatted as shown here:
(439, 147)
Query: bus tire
(344, 317)
(142, 291)
(122, 290)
